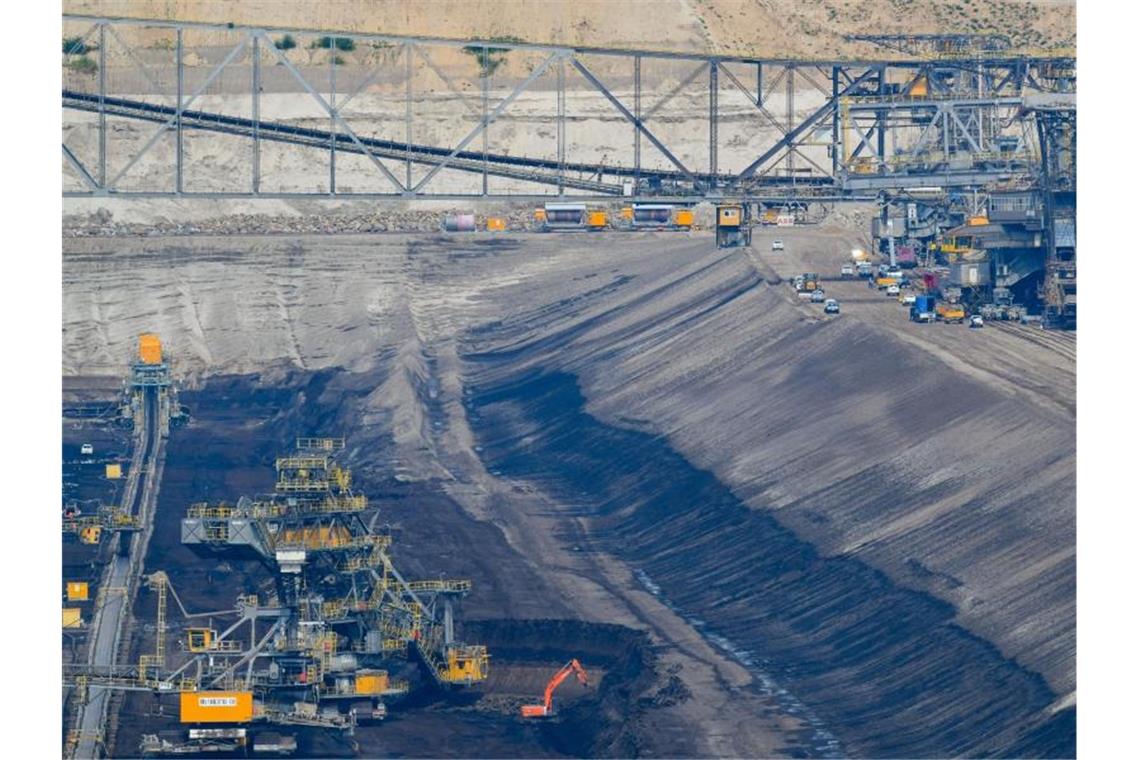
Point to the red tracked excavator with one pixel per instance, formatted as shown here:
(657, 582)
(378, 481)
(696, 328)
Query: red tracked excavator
(545, 709)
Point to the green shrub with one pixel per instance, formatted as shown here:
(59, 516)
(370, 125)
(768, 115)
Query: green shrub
(490, 57)
(285, 43)
(344, 44)
(75, 46)
(82, 65)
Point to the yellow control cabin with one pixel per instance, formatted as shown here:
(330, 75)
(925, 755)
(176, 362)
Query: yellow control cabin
(733, 228)
(216, 707)
(466, 665)
(150, 349)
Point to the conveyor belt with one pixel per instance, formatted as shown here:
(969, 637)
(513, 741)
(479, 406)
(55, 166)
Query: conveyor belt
(539, 170)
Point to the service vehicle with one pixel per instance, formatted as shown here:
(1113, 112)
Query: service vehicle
(777, 245)
(976, 321)
(893, 290)
(923, 309)
(847, 270)
(831, 306)
(817, 296)
(950, 312)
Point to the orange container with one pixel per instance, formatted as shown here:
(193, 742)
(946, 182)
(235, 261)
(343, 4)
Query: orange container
(496, 224)
(596, 219)
(150, 349)
(683, 217)
(76, 591)
(216, 707)
(371, 682)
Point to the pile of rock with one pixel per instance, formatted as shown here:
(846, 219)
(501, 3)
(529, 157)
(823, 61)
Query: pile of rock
(102, 224)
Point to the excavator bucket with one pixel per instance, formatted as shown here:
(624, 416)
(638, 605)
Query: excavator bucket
(534, 711)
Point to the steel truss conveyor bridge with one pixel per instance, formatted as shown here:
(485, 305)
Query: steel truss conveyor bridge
(932, 110)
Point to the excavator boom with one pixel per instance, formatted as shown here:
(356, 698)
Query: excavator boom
(545, 709)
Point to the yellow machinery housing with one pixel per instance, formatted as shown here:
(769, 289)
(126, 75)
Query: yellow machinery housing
(683, 217)
(496, 224)
(732, 226)
(216, 707)
(114, 471)
(77, 591)
(371, 682)
(72, 617)
(90, 535)
(596, 220)
(466, 665)
(150, 349)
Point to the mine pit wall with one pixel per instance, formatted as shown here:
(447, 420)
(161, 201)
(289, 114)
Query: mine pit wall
(843, 476)
(856, 451)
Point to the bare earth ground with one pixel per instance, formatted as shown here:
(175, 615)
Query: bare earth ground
(806, 28)
(941, 457)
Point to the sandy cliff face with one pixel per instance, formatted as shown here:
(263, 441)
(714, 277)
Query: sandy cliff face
(809, 28)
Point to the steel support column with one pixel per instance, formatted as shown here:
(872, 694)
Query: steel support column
(178, 118)
(485, 81)
(835, 122)
(408, 113)
(714, 67)
(256, 111)
(561, 124)
(332, 115)
(790, 100)
(102, 107)
(637, 121)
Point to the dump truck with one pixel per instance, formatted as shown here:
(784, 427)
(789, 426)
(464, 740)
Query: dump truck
(808, 281)
(923, 309)
(950, 312)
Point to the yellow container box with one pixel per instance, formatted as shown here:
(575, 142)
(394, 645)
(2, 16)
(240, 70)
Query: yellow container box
(496, 224)
(374, 682)
(77, 591)
(216, 707)
(150, 349)
(72, 618)
(596, 219)
(729, 216)
(683, 218)
(114, 471)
